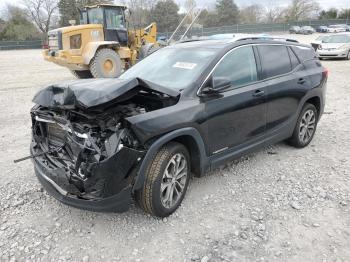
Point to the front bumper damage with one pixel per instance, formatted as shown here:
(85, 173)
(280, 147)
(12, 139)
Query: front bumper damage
(107, 189)
(84, 149)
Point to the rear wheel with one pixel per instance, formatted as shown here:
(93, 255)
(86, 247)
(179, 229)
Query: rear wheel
(106, 64)
(166, 181)
(305, 128)
(82, 74)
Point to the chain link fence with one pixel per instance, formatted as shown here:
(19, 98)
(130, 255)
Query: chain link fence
(252, 28)
(12, 45)
(198, 32)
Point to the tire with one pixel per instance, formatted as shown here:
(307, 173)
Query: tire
(81, 74)
(348, 56)
(150, 198)
(146, 50)
(106, 64)
(304, 130)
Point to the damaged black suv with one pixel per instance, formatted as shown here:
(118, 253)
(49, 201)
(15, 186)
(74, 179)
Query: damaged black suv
(185, 109)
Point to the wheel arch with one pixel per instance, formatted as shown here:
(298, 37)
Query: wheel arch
(316, 101)
(190, 138)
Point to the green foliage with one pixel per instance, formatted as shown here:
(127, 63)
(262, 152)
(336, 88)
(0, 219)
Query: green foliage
(165, 14)
(69, 9)
(331, 13)
(227, 12)
(17, 26)
(344, 14)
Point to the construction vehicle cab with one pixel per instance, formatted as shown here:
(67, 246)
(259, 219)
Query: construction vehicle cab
(102, 45)
(112, 17)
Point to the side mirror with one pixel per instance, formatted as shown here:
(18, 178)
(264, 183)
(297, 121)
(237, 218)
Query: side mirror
(217, 84)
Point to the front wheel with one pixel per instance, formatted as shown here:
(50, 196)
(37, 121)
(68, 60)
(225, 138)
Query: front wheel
(106, 64)
(166, 181)
(306, 127)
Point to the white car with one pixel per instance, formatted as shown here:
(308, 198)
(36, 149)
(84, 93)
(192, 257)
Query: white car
(335, 46)
(336, 29)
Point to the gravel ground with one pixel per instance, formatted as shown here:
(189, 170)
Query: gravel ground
(278, 204)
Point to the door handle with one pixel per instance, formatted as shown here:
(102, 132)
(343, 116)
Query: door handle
(258, 93)
(301, 81)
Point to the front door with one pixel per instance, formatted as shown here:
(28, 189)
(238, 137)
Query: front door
(236, 116)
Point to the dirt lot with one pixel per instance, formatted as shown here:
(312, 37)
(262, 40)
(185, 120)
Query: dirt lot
(278, 204)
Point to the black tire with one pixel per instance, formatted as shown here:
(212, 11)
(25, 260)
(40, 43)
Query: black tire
(149, 197)
(296, 140)
(81, 74)
(106, 64)
(348, 56)
(146, 50)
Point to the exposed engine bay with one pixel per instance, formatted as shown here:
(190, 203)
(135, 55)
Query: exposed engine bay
(93, 152)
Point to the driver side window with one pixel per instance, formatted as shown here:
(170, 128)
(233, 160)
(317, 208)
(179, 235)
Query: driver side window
(239, 66)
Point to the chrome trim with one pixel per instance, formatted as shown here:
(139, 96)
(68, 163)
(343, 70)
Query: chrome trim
(44, 120)
(259, 81)
(80, 135)
(220, 150)
(57, 187)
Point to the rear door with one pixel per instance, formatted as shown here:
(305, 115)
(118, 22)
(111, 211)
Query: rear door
(286, 84)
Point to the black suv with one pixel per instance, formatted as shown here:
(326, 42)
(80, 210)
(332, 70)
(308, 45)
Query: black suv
(186, 109)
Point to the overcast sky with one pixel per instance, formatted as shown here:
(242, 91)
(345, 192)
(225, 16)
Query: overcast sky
(210, 3)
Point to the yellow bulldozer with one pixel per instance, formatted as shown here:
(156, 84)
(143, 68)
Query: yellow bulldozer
(102, 45)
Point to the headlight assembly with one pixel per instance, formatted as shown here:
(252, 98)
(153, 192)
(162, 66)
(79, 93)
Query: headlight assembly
(75, 41)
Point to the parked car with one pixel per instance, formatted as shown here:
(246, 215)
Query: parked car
(335, 46)
(185, 109)
(318, 41)
(295, 30)
(307, 30)
(336, 29)
(321, 29)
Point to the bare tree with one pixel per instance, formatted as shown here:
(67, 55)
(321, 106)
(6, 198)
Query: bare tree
(274, 14)
(251, 14)
(41, 12)
(302, 9)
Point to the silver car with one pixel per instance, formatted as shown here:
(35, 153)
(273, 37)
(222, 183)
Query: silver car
(335, 46)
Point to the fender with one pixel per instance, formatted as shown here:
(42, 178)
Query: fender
(91, 48)
(152, 151)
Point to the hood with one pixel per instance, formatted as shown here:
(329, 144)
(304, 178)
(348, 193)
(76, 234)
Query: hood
(89, 93)
(331, 45)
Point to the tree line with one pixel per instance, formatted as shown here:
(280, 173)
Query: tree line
(34, 18)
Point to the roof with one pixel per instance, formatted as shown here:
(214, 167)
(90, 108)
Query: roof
(223, 40)
(107, 5)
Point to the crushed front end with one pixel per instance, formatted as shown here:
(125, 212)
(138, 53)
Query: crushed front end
(86, 159)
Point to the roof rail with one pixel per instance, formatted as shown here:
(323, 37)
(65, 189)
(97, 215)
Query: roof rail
(266, 38)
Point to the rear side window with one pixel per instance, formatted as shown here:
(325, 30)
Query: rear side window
(239, 66)
(275, 60)
(293, 59)
(304, 53)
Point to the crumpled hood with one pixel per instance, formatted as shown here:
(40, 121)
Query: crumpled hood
(90, 93)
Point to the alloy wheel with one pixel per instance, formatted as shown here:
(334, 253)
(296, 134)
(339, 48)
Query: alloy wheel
(174, 180)
(307, 126)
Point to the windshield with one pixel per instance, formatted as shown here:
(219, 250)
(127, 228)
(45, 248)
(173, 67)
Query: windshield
(114, 18)
(337, 39)
(172, 67)
(95, 16)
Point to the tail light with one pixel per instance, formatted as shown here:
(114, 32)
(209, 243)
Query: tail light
(325, 72)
